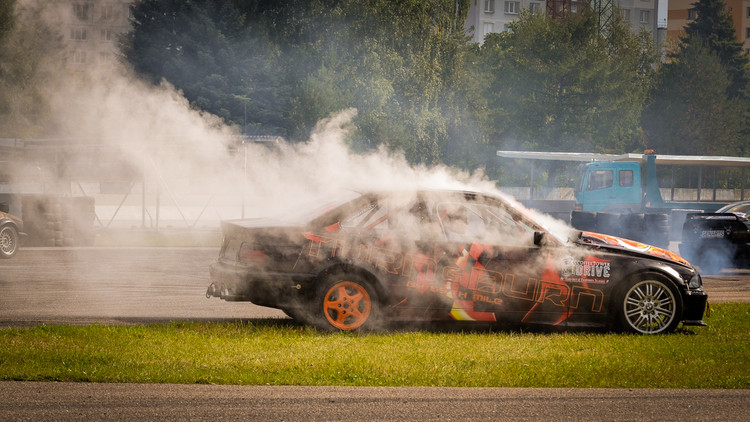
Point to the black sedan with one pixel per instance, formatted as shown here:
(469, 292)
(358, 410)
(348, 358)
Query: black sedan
(366, 262)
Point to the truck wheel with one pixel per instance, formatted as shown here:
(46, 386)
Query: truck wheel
(632, 225)
(658, 229)
(583, 220)
(8, 241)
(608, 223)
(346, 302)
(649, 304)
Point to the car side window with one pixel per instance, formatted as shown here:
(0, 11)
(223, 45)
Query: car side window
(364, 218)
(384, 217)
(504, 228)
(600, 179)
(460, 222)
(483, 223)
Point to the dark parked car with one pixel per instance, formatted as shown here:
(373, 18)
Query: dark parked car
(742, 207)
(366, 262)
(718, 240)
(11, 227)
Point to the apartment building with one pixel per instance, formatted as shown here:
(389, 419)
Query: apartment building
(90, 30)
(681, 12)
(487, 16)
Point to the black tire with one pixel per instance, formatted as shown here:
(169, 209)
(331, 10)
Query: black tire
(633, 226)
(583, 220)
(657, 229)
(649, 304)
(8, 241)
(608, 223)
(345, 302)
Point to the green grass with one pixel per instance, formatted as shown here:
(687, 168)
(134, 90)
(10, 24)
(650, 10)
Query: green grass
(279, 352)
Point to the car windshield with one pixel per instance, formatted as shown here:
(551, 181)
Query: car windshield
(743, 207)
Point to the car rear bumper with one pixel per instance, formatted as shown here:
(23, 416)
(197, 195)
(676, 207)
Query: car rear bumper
(233, 283)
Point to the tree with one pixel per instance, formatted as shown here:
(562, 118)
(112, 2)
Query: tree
(564, 85)
(399, 63)
(689, 111)
(713, 28)
(700, 103)
(204, 48)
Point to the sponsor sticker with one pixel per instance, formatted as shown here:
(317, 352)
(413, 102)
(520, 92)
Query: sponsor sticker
(591, 269)
(712, 234)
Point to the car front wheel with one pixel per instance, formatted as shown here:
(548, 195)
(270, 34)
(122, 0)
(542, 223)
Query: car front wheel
(650, 305)
(346, 302)
(8, 241)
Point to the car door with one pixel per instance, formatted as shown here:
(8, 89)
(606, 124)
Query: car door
(493, 268)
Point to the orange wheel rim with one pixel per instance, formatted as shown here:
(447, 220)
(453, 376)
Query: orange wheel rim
(347, 305)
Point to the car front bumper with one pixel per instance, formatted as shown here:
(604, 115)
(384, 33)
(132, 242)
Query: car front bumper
(694, 306)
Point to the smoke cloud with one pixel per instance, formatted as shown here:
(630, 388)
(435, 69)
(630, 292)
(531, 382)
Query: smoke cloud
(195, 164)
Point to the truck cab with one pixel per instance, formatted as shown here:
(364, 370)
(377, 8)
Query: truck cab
(610, 186)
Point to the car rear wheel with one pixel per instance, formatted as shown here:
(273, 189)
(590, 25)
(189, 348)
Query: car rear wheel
(346, 302)
(649, 305)
(8, 241)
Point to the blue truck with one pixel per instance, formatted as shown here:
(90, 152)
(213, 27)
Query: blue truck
(619, 194)
(629, 183)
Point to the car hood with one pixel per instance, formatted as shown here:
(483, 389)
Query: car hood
(618, 243)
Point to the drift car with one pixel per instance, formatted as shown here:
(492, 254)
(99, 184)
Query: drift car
(717, 240)
(11, 227)
(450, 255)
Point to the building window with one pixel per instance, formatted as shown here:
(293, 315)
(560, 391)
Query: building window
(107, 11)
(747, 32)
(489, 28)
(489, 6)
(645, 16)
(625, 14)
(78, 34)
(107, 35)
(692, 14)
(106, 60)
(535, 7)
(81, 11)
(79, 57)
(511, 7)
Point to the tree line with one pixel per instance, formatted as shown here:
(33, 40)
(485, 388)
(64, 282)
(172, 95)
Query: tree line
(421, 87)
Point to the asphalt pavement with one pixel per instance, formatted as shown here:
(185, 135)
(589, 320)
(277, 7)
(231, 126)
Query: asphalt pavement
(28, 401)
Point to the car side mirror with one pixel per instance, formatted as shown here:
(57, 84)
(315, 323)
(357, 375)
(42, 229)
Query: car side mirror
(4, 207)
(540, 239)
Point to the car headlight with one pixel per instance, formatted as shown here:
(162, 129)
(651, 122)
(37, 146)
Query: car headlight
(695, 282)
